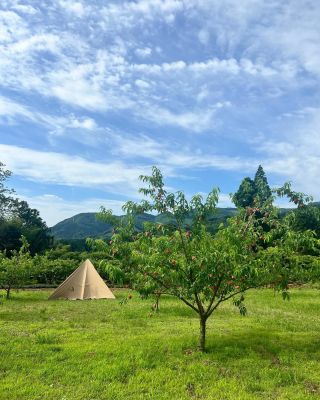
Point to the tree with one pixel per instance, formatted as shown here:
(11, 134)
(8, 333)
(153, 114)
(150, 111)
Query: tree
(18, 219)
(246, 193)
(307, 218)
(16, 270)
(50, 270)
(10, 234)
(253, 193)
(32, 226)
(262, 188)
(201, 269)
(116, 265)
(298, 198)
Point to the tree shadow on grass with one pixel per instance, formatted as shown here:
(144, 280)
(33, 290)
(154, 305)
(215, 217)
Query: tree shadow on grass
(268, 344)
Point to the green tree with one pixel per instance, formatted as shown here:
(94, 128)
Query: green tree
(32, 227)
(253, 193)
(298, 198)
(10, 234)
(262, 189)
(18, 219)
(16, 270)
(200, 269)
(245, 195)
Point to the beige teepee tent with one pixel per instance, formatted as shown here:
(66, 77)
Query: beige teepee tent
(83, 283)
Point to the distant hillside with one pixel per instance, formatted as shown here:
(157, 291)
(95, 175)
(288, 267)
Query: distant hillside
(85, 225)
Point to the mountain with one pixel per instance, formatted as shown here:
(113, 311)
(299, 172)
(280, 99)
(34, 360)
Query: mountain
(85, 225)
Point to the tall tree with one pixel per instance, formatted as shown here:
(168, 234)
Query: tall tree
(262, 188)
(253, 193)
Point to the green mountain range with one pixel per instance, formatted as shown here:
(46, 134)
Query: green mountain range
(86, 225)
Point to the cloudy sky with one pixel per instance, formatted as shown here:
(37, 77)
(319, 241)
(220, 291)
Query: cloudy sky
(93, 93)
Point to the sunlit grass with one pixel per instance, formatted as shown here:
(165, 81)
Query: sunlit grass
(92, 350)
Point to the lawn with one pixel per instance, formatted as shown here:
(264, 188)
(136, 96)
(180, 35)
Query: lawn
(94, 350)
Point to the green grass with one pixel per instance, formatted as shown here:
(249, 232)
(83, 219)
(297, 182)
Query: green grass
(94, 350)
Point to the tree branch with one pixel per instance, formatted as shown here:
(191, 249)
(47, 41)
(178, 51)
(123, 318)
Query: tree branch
(213, 297)
(222, 299)
(189, 304)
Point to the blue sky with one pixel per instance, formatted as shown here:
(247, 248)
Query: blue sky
(93, 93)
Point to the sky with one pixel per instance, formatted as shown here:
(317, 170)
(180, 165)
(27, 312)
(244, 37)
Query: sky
(94, 93)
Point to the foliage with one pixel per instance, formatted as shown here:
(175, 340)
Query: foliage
(10, 234)
(18, 219)
(51, 271)
(16, 270)
(306, 218)
(58, 263)
(253, 193)
(201, 269)
(262, 188)
(298, 198)
(245, 195)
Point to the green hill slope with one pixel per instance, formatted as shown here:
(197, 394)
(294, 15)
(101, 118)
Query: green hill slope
(85, 225)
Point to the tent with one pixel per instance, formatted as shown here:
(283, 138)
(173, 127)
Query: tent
(83, 283)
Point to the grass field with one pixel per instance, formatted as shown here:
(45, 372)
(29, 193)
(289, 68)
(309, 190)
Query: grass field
(94, 350)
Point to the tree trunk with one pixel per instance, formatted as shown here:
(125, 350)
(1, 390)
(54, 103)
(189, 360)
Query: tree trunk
(156, 304)
(202, 337)
(8, 292)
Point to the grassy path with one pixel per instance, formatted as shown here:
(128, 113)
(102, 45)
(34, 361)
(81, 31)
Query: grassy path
(96, 350)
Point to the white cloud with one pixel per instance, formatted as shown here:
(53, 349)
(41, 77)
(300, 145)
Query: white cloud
(12, 26)
(79, 58)
(225, 201)
(196, 121)
(12, 112)
(142, 84)
(36, 43)
(9, 108)
(25, 9)
(98, 78)
(129, 12)
(296, 160)
(171, 156)
(62, 169)
(296, 155)
(144, 52)
(73, 7)
(84, 123)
